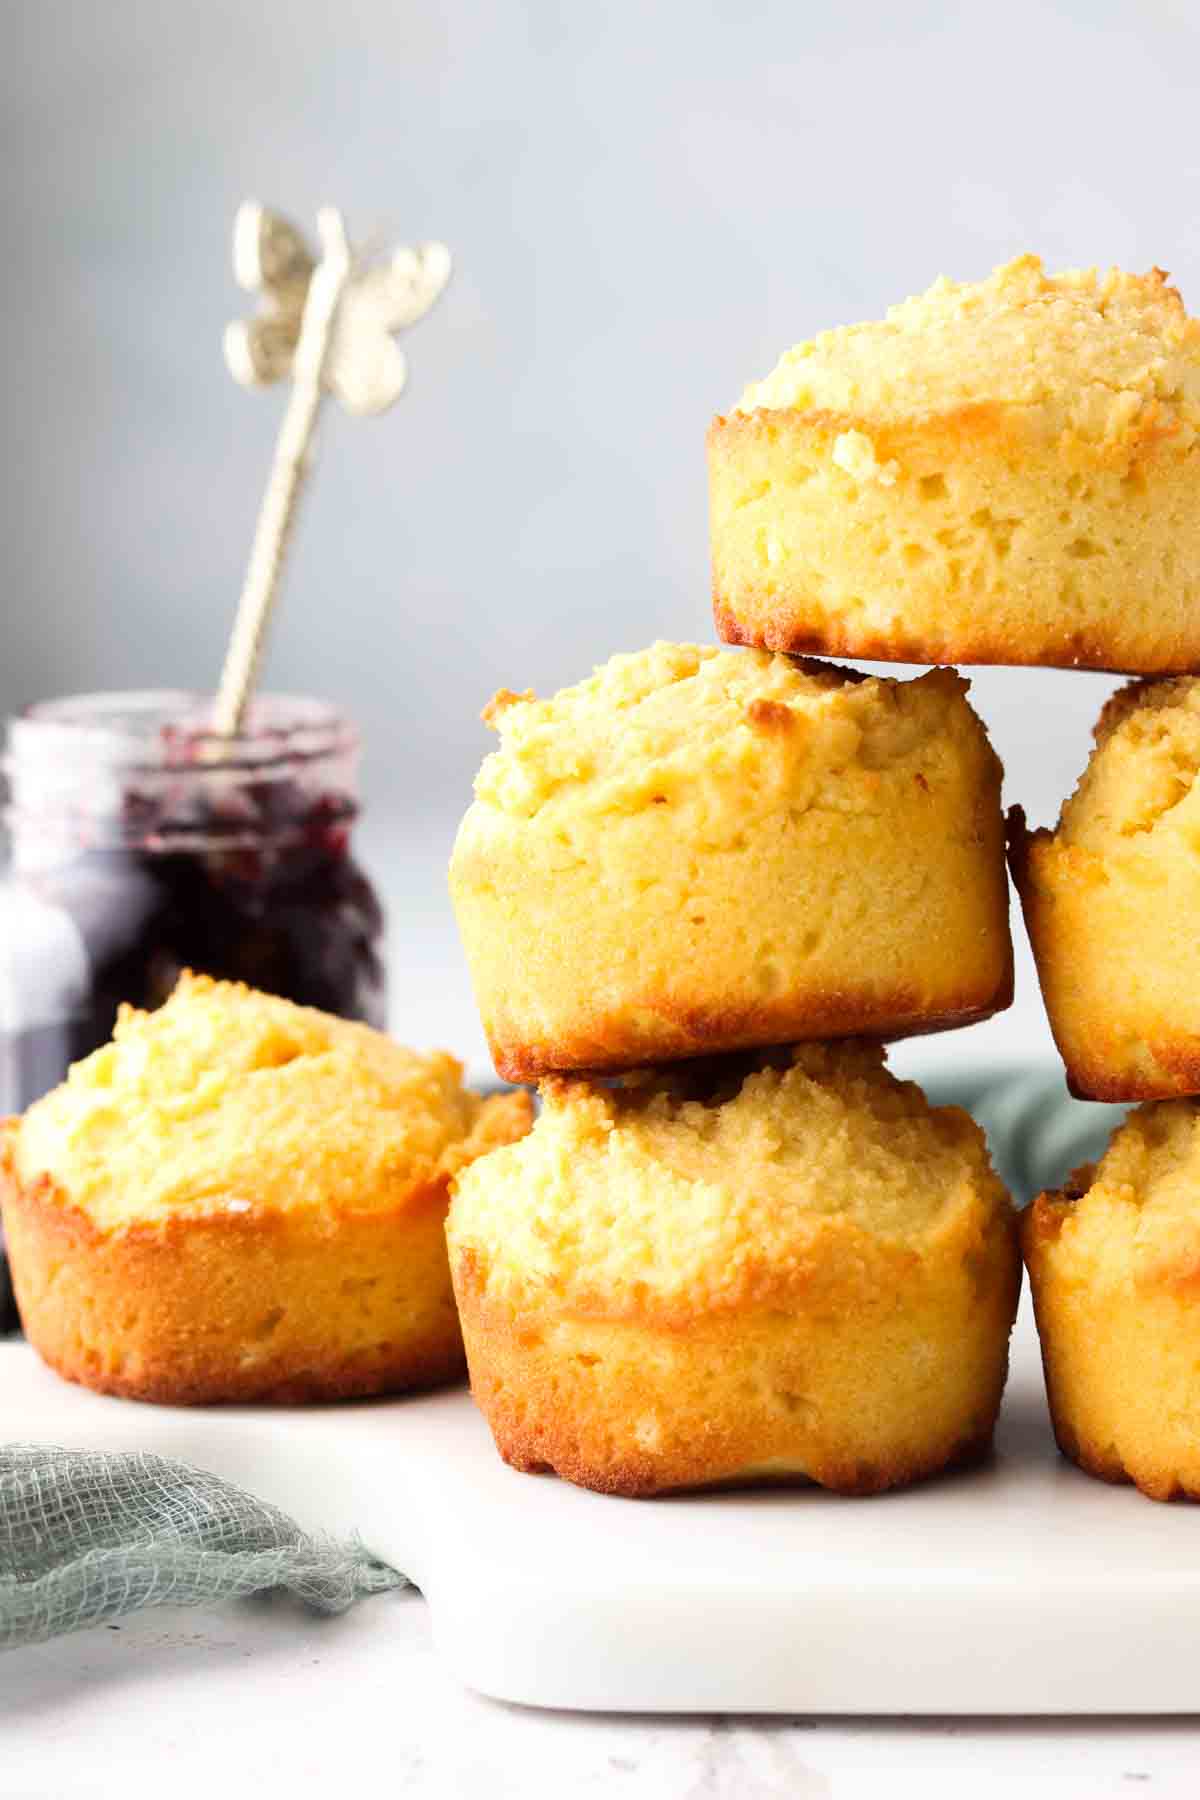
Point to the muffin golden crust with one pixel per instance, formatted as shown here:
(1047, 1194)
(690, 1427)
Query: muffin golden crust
(771, 1268)
(700, 850)
(1114, 1267)
(1112, 901)
(242, 1199)
(1004, 471)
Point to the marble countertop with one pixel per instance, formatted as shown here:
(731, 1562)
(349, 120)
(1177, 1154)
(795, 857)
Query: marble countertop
(265, 1698)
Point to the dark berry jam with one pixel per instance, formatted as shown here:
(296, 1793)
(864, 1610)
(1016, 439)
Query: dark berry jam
(302, 922)
(142, 848)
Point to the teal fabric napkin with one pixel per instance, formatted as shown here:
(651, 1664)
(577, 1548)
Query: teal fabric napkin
(86, 1537)
(1037, 1132)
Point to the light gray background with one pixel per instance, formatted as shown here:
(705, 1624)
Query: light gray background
(646, 203)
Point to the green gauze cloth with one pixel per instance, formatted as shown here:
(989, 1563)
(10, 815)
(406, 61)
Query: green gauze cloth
(86, 1537)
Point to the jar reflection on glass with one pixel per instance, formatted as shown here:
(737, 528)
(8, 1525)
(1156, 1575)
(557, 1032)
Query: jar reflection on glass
(142, 846)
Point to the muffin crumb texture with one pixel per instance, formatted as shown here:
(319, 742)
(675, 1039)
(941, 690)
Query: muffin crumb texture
(793, 1268)
(1003, 471)
(242, 1199)
(646, 725)
(1095, 354)
(226, 1096)
(699, 850)
(1112, 901)
(1114, 1266)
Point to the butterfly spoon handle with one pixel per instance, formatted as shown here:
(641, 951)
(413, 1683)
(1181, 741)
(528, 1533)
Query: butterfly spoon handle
(303, 329)
(289, 467)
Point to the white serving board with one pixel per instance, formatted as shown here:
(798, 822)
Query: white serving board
(1019, 1587)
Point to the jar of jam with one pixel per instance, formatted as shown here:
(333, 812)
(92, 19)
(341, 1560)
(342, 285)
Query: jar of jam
(140, 845)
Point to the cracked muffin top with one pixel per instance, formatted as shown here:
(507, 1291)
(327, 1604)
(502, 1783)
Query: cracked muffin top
(1138, 791)
(698, 1186)
(777, 729)
(226, 1099)
(1133, 1216)
(1099, 356)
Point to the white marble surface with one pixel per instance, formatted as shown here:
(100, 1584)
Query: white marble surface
(265, 1698)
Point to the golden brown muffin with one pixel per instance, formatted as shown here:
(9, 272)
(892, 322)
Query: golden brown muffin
(770, 1269)
(1005, 471)
(1112, 901)
(1114, 1267)
(700, 850)
(242, 1199)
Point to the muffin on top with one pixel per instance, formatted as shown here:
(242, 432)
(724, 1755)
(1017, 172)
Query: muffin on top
(700, 850)
(783, 1266)
(242, 1199)
(1114, 1267)
(1004, 471)
(1112, 901)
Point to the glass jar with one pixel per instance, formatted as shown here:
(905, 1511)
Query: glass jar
(141, 845)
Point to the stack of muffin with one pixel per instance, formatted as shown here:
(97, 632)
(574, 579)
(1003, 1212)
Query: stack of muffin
(770, 1261)
(697, 893)
(1112, 904)
(1011, 473)
(739, 1260)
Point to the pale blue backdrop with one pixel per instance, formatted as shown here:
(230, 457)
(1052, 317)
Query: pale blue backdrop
(646, 202)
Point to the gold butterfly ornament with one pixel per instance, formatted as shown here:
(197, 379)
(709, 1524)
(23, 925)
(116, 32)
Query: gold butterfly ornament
(328, 322)
(362, 364)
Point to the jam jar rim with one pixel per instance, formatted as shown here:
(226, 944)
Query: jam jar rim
(173, 736)
(155, 739)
